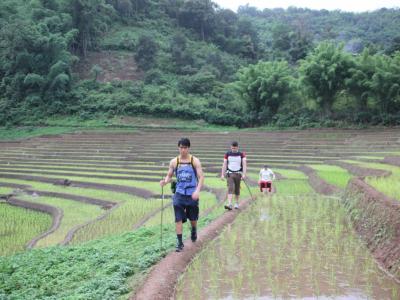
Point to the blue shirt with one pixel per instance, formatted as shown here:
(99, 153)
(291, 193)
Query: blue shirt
(186, 179)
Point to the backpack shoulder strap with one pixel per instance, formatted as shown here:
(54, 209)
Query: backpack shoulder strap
(194, 169)
(177, 161)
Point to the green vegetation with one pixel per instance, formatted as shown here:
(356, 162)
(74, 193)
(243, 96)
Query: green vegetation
(386, 185)
(333, 174)
(74, 213)
(96, 270)
(121, 219)
(195, 61)
(18, 226)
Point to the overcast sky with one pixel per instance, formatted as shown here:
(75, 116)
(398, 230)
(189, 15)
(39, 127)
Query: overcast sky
(344, 5)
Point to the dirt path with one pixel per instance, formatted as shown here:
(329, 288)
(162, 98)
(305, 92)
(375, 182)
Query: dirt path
(160, 283)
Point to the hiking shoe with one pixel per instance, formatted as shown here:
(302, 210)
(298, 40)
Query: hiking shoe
(179, 247)
(236, 206)
(228, 207)
(193, 235)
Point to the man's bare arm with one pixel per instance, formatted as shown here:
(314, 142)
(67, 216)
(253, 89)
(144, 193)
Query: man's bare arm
(170, 173)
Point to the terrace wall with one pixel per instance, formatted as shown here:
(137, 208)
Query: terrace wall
(376, 218)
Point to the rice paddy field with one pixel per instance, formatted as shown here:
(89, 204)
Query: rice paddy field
(80, 215)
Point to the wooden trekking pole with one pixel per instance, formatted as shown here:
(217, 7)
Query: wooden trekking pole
(162, 212)
(251, 195)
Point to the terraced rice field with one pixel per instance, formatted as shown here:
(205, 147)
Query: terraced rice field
(87, 186)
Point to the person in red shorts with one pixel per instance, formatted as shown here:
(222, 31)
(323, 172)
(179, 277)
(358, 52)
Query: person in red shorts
(265, 179)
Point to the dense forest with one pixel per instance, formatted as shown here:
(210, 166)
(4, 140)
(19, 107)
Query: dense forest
(293, 67)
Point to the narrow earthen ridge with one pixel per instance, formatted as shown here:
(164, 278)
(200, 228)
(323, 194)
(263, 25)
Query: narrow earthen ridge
(14, 185)
(160, 283)
(317, 183)
(70, 235)
(109, 187)
(360, 171)
(104, 203)
(376, 218)
(392, 160)
(55, 212)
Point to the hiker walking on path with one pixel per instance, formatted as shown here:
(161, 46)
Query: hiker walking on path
(234, 168)
(189, 181)
(265, 179)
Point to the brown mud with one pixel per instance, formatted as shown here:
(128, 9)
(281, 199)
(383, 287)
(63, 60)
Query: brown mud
(317, 183)
(376, 219)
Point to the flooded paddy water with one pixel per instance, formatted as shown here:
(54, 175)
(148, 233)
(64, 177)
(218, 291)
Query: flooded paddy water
(286, 247)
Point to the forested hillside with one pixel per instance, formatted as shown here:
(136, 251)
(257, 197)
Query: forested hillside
(194, 60)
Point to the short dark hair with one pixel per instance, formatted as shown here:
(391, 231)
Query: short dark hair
(265, 166)
(185, 142)
(235, 144)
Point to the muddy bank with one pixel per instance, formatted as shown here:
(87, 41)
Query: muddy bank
(360, 171)
(317, 183)
(392, 160)
(376, 218)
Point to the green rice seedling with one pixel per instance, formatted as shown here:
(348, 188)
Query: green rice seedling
(386, 185)
(87, 192)
(333, 174)
(88, 169)
(18, 226)
(121, 219)
(74, 213)
(315, 260)
(291, 174)
(5, 190)
(64, 173)
(293, 187)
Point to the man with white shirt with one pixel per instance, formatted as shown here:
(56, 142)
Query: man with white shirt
(265, 179)
(234, 168)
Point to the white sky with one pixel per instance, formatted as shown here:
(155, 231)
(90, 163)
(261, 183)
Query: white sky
(344, 5)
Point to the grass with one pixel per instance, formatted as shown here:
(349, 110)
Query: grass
(17, 133)
(147, 185)
(386, 185)
(75, 213)
(31, 170)
(87, 192)
(18, 226)
(333, 174)
(6, 190)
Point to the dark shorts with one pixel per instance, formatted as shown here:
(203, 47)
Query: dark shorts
(265, 185)
(185, 208)
(233, 182)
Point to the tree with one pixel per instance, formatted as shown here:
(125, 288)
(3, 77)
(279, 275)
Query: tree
(385, 83)
(359, 81)
(198, 15)
(265, 87)
(91, 18)
(324, 72)
(146, 52)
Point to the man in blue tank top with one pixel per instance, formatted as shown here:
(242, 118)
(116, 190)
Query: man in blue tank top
(189, 181)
